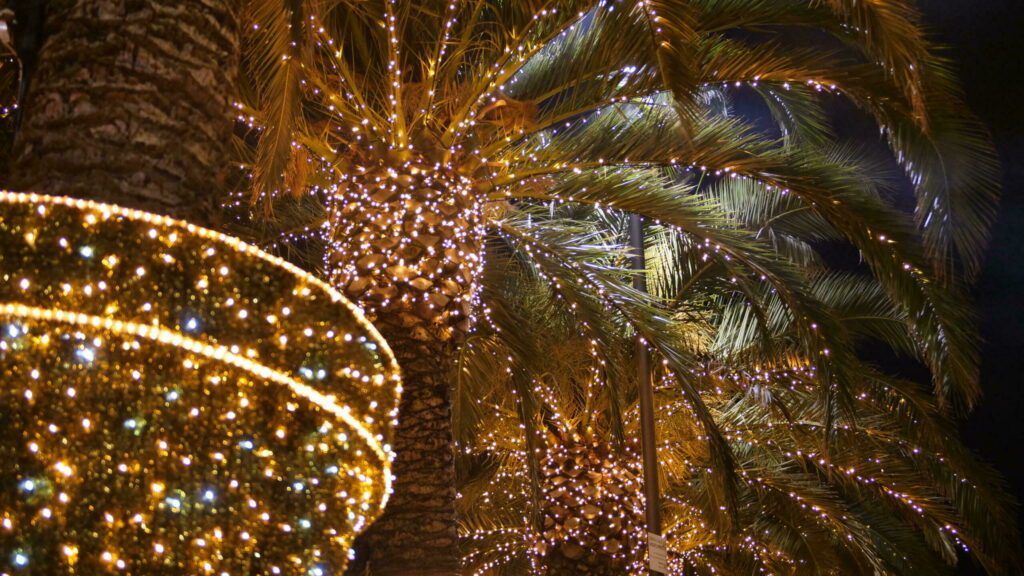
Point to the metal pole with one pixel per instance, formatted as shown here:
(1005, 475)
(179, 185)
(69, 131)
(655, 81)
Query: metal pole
(648, 441)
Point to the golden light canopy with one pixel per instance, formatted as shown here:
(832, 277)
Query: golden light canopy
(176, 401)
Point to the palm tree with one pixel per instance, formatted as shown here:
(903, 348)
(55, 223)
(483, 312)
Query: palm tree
(132, 105)
(550, 469)
(399, 136)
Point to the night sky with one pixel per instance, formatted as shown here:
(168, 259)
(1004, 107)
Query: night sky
(987, 41)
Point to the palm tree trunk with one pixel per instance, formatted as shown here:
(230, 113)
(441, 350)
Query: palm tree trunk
(406, 244)
(417, 534)
(131, 103)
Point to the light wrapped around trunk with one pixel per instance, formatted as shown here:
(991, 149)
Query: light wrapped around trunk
(177, 401)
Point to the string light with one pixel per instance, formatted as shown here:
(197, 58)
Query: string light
(177, 400)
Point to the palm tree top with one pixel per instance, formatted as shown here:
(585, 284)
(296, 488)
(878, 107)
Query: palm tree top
(487, 87)
(515, 135)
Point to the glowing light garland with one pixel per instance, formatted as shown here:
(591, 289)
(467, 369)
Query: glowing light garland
(179, 401)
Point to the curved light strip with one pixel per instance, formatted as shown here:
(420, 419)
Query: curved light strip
(243, 247)
(220, 354)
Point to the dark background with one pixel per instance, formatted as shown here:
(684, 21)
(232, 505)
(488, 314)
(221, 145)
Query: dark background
(986, 38)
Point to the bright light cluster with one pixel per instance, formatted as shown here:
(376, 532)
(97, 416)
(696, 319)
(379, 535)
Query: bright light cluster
(406, 238)
(592, 522)
(176, 401)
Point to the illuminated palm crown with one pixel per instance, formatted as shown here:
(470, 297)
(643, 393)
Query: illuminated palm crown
(441, 160)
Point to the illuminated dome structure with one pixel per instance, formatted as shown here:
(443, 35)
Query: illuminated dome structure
(176, 401)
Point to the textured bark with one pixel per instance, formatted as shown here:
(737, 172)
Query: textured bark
(417, 534)
(131, 104)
